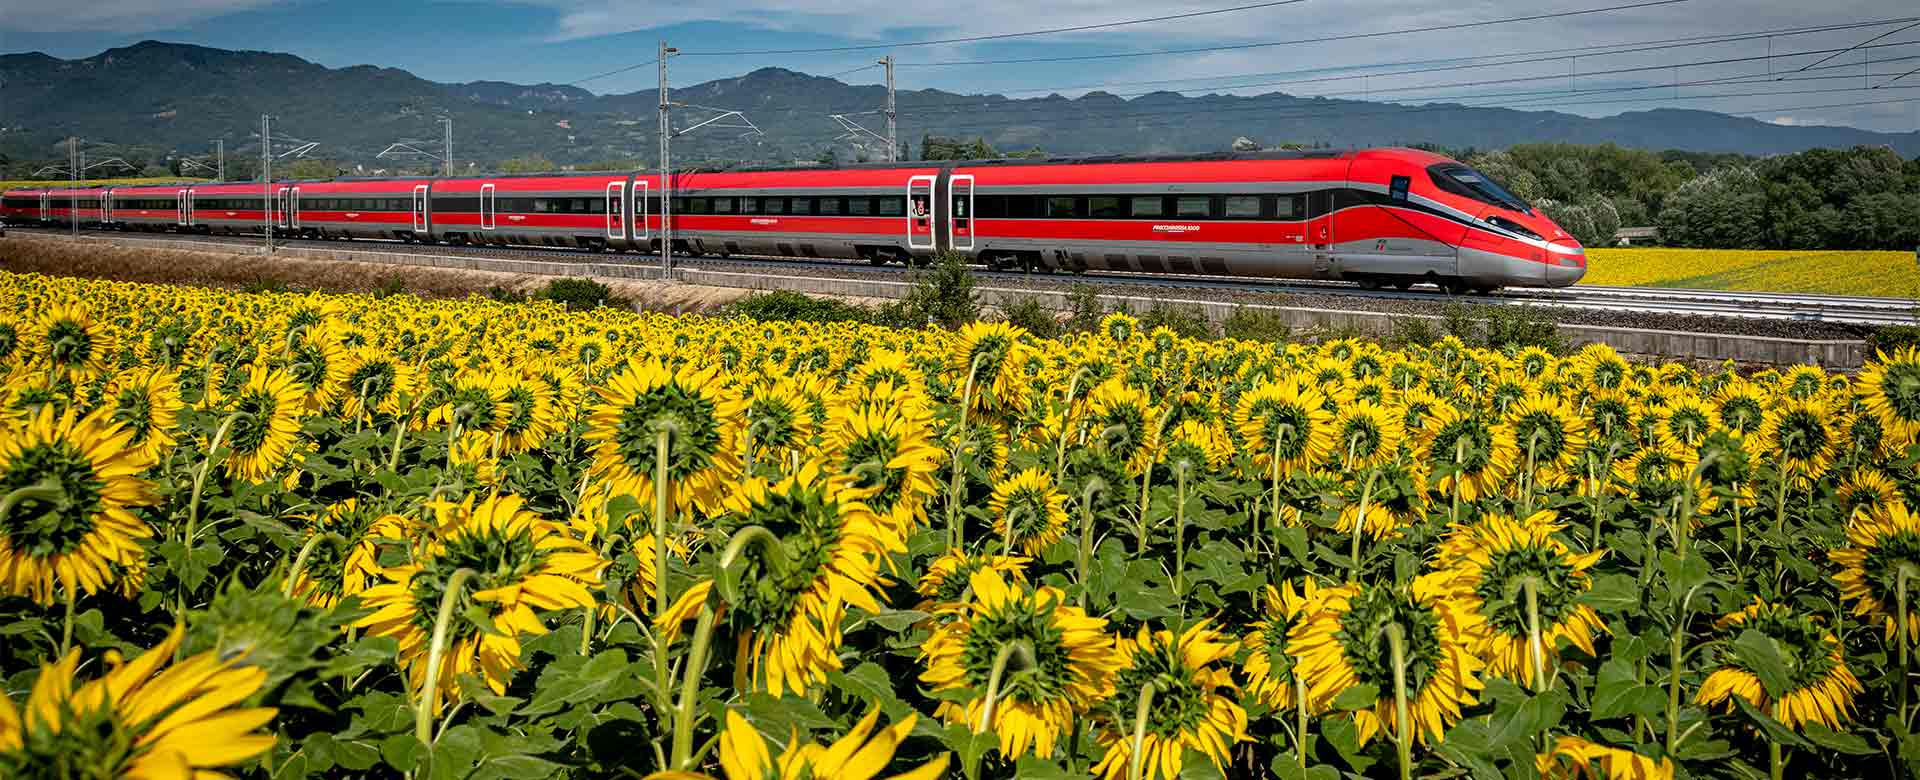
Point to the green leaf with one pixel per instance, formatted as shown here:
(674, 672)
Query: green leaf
(1775, 731)
(1839, 741)
(786, 714)
(1516, 727)
(1613, 594)
(868, 682)
(1760, 654)
(897, 619)
(1684, 574)
(1618, 694)
(1294, 540)
(401, 751)
(514, 767)
(1357, 697)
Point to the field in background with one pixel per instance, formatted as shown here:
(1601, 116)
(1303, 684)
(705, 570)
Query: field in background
(1889, 274)
(39, 183)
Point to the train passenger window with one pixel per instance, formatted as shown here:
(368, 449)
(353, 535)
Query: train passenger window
(892, 207)
(1023, 206)
(802, 206)
(1193, 207)
(830, 206)
(860, 207)
(1243, 207)
(1148, 206)
(1289, 206)
(699, 205)
(723, 205)
(1104, 208)
(1060, 208)
(773, 205)
(1397, 190)
(749, 205)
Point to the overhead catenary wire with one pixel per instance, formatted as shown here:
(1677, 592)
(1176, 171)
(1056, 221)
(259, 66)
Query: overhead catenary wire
(1298, 41)
(997, 36)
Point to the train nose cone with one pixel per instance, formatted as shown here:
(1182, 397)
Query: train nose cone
(1568, 262)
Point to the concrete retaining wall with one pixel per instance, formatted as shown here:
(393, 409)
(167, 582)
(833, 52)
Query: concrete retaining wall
(1671, 345)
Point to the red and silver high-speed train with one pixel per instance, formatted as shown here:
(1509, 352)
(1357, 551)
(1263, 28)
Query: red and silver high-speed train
(1374, 216)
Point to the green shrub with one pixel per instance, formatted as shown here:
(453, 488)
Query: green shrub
(1083, 305)
(1256, 325)
(1890, 338)
(1186, 321)
(898, 314)
(944, 296)
(792, 306)
(1459, 323)
(1411, 332)
(505, 295)
(1518, 327)
(390, 286)
(1037, 319)
(580, 294)
(264, 286)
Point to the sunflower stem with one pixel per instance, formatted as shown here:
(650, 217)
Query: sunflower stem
(300, 560)
(399, 438)
(1066, 413)
(1180, 531)
(47, 489)
(1526, 479)
(1141, 712)
(193, 501)
(1900, 625)
(662, 600)
(1360, 519)
(1300, 712)
(1402, 724)
(66, 625)
(689, 689)
(430, 692)
(956, 535)
(1085, 557)
(1018, 649)
(1536, 648)
(1459, 462)
(1676, 654)
(360, 405)
(1776, 765)
(1273, 460)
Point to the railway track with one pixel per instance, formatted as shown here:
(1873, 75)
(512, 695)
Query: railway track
(1850, 310)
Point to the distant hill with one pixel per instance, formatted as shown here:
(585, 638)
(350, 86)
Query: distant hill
(175, 96)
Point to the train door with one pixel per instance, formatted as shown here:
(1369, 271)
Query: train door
(293, 208)
(180, 207)
(106, 206)
(46, 207)
(920, 213)
(420, 210)
(640, 210)
(616, 212)
(960, 213)
(192, 218)
(284, 220)
(487, 209)
(1320, 231)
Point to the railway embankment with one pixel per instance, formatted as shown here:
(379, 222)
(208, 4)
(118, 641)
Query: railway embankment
(703, 286)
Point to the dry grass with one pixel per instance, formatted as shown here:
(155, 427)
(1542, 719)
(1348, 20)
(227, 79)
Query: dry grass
(97, 260)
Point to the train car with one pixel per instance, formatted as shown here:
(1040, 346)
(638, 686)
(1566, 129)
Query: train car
(354, 208)
(23, 206)
(65, 205)
(876, 213)
(162, 207)
(579, 210)
(1378, 217)
(226, 208)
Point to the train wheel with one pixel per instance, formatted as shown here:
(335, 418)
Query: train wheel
(1369, 284)
(1486, 289)
(1403, 285)
(1454, 286)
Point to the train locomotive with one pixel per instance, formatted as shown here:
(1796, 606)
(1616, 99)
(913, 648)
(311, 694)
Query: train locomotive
(1378, 217)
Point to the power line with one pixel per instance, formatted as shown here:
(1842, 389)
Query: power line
(996, 36)
(1897, 78)
(1862, 44)
(615, 72)
(1321, 39)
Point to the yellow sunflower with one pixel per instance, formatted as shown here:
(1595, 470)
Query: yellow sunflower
(691, 406)
(945, 583)
(69, 488)
(1270, 665)
(860, 755)
(1573, 758)
(988, 352)
(375, 382)
(520, 564)
(789, 611)
(77, 346)
(778, 420)
(1865, 489)
(1342, 643)
(1119, 420)
(530, 414)
(1879, 546)
(332, 573)
(145, 718)
(1490, 563)
(882, 442)
(1799, 436)
(1890, 387)
(1190, 710)
(1821, 688)
(265, 414)
(1029, 512)
(1544, 426)
(1740, 406)
(1288, 421)
(146, 404)
(1055, 662)
(1481, 454)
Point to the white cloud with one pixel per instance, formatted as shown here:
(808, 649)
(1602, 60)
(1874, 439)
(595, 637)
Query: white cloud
(118, 16)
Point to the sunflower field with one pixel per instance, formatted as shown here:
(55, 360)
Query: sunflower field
(283, 536)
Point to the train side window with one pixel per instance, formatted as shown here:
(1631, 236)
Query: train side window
(1193, 207)
(1148, 206)
(860, 207)
(1243, 207)
(1104, 208)
(1060, 207)
(989, 206)
(1397, 190)
(1023, 206)
(893, 206)
(773, 206)
(699, 205)
(1290, 206)
(802, 206)
(830, 207)
(749, 205)
(723, 205)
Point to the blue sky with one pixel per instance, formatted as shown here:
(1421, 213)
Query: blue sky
(558, 41)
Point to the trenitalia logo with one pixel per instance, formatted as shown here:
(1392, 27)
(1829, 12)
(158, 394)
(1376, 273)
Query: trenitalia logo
(764, 221)
(1176, 228)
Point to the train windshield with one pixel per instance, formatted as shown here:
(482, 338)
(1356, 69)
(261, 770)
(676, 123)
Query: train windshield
(1461, 180)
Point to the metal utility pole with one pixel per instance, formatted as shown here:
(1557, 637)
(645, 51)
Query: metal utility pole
(666, 170)
(220, 159)
(893, 139)
(73, 183)
(266, 175)
(446, 147)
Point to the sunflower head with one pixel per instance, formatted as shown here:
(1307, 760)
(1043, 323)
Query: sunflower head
(1818, 686)
(1890, 388)
(690, 407)
(1494, 563)
(1883, 547)
(1800, 437)
(1287, 426)
(1346, 642)
(1029, 511)
(944, 585)
(1270, 665)
(1190, 707)
(72, 484)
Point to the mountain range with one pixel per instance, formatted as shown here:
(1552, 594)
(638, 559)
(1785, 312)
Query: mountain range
(177, 97)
